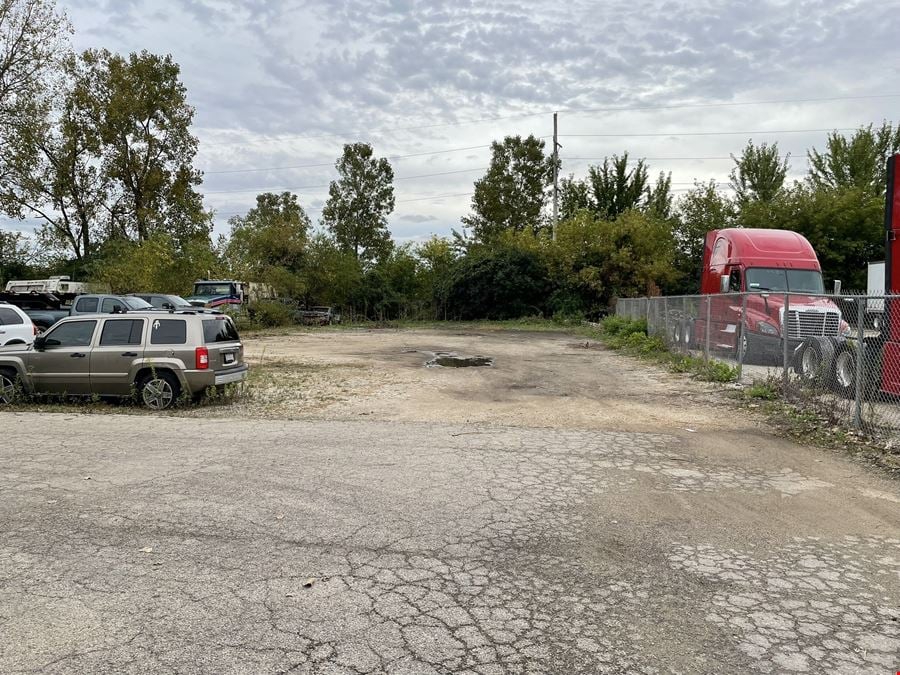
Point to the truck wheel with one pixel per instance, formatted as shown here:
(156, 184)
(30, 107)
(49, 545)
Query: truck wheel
(159, 391)
(814, 361)
(9, 389)
(844, 379)
(688, 334)
(745, 350)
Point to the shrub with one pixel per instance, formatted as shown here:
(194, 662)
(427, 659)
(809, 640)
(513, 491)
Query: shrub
(271, 314)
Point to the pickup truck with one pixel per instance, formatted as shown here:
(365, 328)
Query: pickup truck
(317, 316)
(45, 309)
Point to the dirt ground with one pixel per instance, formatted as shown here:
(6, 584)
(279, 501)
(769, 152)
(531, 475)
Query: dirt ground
(566, 510)
(538, 379)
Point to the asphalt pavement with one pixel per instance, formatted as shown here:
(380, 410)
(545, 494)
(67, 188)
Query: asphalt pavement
(135, 544)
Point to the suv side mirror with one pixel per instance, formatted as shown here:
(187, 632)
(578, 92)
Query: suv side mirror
(168, 305)
(724, 283)
(39, 343)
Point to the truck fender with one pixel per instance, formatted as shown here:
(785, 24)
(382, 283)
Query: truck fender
(814, 358)
(16, 366)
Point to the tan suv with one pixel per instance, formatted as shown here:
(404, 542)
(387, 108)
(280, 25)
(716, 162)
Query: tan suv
(157, 356)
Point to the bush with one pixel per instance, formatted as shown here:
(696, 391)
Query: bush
(271, 314)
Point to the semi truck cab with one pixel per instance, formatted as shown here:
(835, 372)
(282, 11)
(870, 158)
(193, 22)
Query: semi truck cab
(768, 265)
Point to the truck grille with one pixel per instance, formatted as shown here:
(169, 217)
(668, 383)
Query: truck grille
(805, 323)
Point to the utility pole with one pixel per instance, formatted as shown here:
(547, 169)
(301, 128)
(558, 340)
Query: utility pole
(555, 176)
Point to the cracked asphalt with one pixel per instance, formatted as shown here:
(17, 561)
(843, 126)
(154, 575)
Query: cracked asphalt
(132, 544)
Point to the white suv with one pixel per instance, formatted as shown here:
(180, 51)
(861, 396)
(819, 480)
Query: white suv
(15, 326)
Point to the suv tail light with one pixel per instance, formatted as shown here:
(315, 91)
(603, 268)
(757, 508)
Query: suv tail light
(201, 358)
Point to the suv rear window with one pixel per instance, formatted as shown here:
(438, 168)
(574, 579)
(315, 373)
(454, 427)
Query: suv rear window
(219, 330)
(168, 332)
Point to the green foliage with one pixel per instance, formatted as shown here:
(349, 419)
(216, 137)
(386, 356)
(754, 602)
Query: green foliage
(512, 194)
(155, 265)
(856, 162)
(630, 336)
(612, 188)
(762, 390)
(699, 211)
(759, 173)
(267, 314)
(359, 203)
(505, 282)
(269, 243)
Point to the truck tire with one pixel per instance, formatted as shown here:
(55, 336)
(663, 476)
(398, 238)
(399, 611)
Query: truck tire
(746, 350)
(814, 361)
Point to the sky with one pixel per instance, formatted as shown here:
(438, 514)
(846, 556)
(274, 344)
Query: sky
(280, 86)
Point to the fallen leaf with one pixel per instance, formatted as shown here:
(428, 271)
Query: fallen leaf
(308, 583)
(147, 549)
(52, 501)
(87, 478)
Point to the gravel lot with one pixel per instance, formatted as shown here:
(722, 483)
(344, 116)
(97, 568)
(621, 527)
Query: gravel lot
(564, 511)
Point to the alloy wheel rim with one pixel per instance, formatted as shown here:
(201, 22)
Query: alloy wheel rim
(810, 363)
(158, 394)
(844, 369)
(7, 390)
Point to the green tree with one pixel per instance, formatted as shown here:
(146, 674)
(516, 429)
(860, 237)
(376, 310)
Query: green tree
(596, 260)
(698, 211)
(269, 243)
(512, 194)
(143, 121)
(359, 203)
(612, 188)
(759, 173)
(499, 281)
(856, 162)
(438, 257)
(332, 275)
(55, 172)
(16, 256)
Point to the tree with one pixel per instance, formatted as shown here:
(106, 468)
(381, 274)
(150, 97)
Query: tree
(33, 38)
(512, 194)
(54, 173)
(143, 121)
(359, 203)
(269, 243)
(699, 210)
(857, 162)
(611, 189)
(16, 256)
(759, 173)
(438, 257)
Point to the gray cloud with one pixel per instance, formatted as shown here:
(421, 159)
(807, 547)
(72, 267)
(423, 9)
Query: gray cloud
(269, 77)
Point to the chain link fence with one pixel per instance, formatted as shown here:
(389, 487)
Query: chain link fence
(840, 357)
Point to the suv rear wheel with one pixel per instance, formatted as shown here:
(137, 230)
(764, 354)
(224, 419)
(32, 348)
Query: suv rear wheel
(8, 388)
(159, 391)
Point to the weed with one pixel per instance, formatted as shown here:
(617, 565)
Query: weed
(762, 390)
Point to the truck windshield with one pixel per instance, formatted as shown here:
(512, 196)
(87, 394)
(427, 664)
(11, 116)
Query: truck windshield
(212, 289)
(779, 279)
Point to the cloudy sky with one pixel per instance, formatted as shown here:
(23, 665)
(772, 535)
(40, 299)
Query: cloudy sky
(280, 85)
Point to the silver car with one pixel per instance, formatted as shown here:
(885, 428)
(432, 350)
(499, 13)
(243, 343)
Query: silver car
(157, 356)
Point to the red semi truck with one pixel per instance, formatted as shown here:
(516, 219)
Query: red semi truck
(767, 264)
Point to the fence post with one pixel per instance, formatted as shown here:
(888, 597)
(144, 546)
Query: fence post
(708, 321)
(860, 355)
(785, 335)
(740, 338)
(666, 320)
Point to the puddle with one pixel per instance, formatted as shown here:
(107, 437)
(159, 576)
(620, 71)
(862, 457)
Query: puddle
(445, 360)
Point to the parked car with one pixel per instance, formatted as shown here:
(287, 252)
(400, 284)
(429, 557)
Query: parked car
(99, 303)
(317, 316)
(16, 327)
(158, 357)
(170, 302)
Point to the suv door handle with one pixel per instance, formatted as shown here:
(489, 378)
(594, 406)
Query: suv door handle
(78, 355)
(129, 354)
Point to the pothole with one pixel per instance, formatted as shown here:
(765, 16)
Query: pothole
(449, 360)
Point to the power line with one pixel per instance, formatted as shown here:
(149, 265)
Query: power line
(317, 187)
(709, 133)
(390, 157)
(570, 111)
